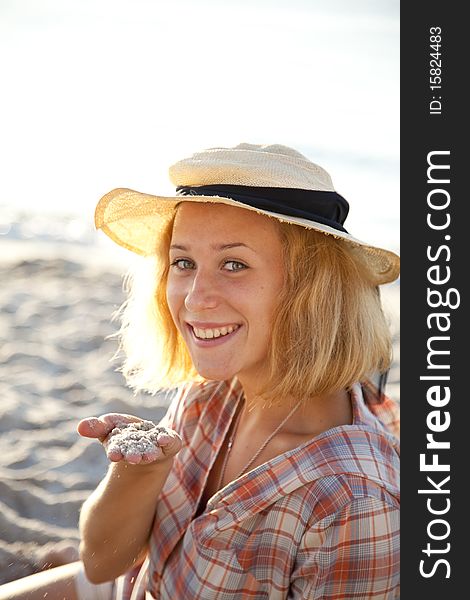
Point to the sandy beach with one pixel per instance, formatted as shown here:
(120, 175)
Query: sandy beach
(56, 367)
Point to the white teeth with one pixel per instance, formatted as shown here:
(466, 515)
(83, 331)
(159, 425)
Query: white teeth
(208, 334)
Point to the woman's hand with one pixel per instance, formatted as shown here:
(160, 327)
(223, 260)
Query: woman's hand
(130, 439)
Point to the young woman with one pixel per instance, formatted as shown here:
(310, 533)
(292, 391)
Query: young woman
(275, 471)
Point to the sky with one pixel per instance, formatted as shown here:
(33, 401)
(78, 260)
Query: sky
(98, 94)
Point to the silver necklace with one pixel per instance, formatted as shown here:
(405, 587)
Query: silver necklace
(260, 449)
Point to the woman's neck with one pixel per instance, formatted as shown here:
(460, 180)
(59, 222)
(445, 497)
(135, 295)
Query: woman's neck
(313, 414)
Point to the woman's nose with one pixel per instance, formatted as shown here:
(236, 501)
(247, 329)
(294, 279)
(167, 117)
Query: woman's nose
(202, 295)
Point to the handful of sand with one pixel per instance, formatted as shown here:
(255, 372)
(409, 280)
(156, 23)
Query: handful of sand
(131, 439)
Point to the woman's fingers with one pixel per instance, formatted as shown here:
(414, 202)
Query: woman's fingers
(134, 457)
(93, 428)
(100, 427)
(170, 442)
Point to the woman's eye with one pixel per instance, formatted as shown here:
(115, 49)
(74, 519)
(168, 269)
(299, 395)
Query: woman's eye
(234, 265)
(183, 264)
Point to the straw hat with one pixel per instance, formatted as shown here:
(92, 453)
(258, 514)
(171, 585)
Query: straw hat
(274, 180)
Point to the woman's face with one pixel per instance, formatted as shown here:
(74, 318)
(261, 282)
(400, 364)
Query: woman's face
(225, 278)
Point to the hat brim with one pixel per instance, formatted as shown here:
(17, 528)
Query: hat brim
(135, 221)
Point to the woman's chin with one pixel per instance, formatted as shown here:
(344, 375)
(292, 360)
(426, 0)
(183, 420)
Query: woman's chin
(214, 373)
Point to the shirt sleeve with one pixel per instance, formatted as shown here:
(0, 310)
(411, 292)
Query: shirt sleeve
(352, 554)
(187, 402)
(172, 417)
(182, 399)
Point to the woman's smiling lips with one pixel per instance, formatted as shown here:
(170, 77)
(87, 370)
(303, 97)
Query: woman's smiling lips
(211, 334)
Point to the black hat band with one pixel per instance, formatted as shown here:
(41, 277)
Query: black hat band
(327, 208)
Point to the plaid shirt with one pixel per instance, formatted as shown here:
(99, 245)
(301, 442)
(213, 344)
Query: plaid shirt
(320, 521)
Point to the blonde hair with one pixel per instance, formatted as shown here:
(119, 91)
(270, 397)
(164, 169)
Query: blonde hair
(329, 330)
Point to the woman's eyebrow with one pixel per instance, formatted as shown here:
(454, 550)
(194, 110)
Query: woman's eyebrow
(231, 245)
(218, 247)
